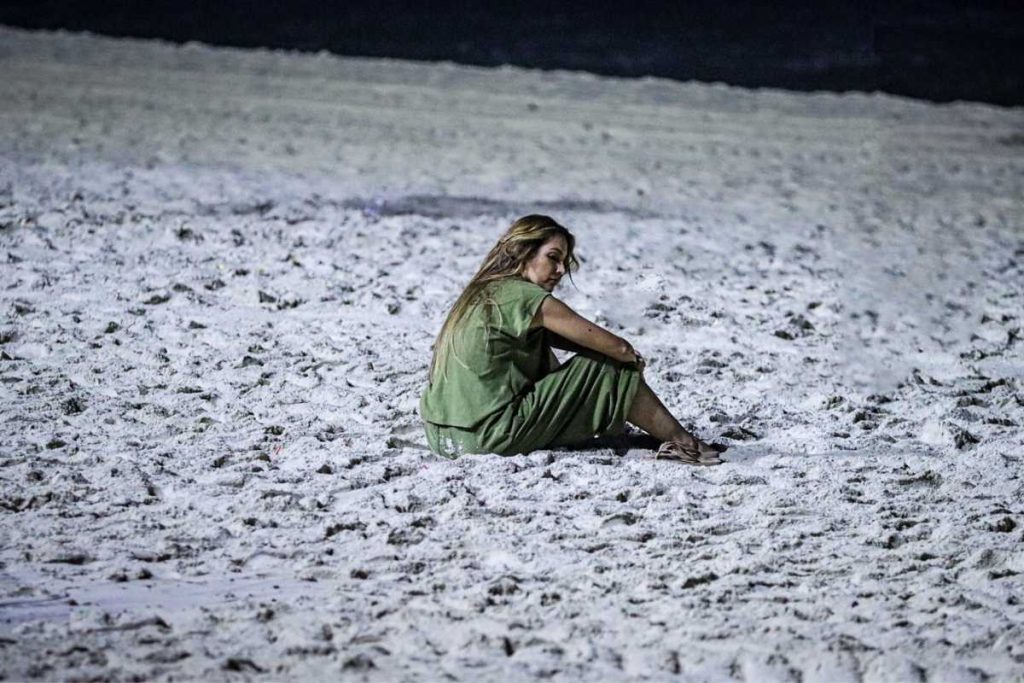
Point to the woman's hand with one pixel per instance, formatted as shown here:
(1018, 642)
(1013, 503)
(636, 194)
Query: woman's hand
(635, 357)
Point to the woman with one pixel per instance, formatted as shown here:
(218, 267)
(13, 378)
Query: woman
(495, 385)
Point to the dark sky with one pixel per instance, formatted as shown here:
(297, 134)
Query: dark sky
(939, 50)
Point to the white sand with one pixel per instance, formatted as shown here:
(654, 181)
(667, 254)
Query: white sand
(222, 273)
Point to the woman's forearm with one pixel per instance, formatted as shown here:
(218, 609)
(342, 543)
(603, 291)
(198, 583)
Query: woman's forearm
(574, 328)
(560, 342)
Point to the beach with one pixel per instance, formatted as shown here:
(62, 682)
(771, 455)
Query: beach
(223, 271)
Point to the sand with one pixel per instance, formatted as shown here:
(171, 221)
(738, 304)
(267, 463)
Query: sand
(222, 274)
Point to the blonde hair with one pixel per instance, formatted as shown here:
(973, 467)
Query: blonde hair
(506, 259)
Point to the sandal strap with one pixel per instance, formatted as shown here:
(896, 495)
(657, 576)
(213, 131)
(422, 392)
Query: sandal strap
(677, 450)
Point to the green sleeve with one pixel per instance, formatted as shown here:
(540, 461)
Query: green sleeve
(518, 302)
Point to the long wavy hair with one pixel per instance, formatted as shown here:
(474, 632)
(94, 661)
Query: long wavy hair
(506, 259)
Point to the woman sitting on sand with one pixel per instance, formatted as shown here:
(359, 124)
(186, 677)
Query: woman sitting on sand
(495, 385)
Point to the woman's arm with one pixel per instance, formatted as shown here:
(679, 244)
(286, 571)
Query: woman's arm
(560, 342)
(568, 324)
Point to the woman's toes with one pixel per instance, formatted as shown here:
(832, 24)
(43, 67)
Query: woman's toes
(710, 449)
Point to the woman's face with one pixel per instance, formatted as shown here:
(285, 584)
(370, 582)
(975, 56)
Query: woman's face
(547, 266)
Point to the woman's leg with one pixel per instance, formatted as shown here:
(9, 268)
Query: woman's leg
(650, 414)
(587, 396)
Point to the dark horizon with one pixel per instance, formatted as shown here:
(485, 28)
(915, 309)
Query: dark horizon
(938, 51)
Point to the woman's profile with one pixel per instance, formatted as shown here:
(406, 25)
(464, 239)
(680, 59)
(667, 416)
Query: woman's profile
(495, 386)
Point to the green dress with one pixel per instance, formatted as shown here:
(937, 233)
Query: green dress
(502, 391)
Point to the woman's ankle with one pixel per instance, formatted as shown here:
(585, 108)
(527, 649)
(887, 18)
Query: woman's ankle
(685, 437)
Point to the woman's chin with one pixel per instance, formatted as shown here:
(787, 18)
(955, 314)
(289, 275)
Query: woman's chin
(549, 285)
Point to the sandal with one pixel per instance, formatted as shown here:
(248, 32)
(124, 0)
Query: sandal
(685, 453)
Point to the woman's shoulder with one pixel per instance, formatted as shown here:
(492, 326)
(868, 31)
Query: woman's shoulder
(515, 302)
(514, 287)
